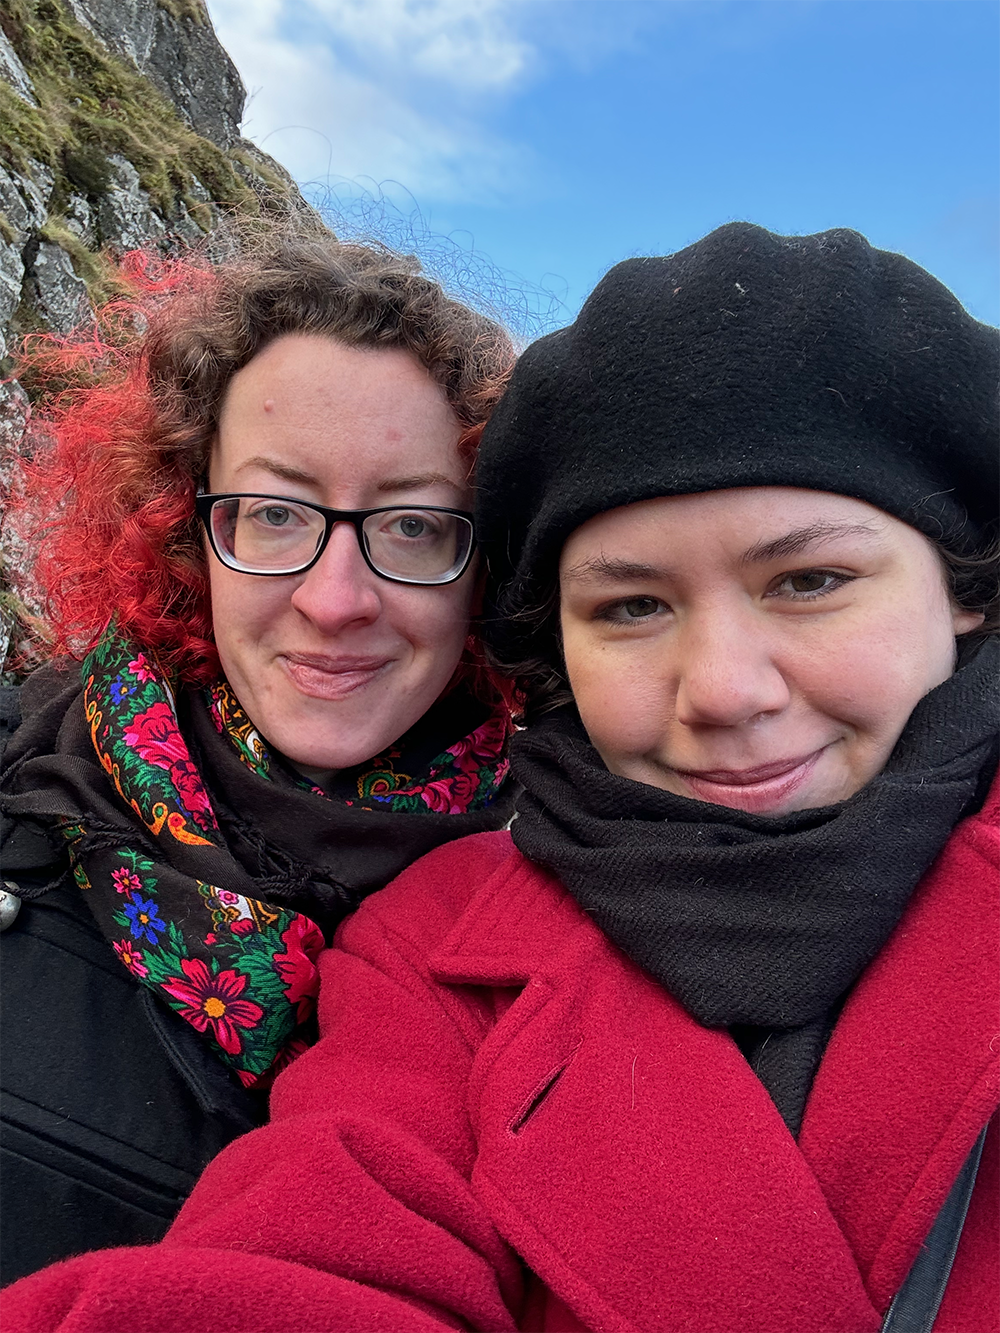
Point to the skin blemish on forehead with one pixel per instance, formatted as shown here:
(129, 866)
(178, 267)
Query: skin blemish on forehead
(268, 404)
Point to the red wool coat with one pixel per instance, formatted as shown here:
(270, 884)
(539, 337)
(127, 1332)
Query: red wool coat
(508, 1125)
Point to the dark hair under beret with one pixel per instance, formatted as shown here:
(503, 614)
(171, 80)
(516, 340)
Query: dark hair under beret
(748, 359)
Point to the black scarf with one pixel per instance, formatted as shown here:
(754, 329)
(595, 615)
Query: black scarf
(754, 922)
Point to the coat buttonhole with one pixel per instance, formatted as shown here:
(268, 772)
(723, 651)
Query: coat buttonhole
(536, 1099)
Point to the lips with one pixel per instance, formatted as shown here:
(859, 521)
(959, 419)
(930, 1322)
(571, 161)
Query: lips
(322, 677)
(756, 790)
(741, 777)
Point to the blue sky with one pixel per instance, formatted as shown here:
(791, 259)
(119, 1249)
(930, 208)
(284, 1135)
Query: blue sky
(524, 146)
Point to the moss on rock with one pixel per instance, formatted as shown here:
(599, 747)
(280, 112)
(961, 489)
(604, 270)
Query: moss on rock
(185, 9)
(93, 103)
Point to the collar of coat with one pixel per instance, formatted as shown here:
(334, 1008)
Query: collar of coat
(685, 1142)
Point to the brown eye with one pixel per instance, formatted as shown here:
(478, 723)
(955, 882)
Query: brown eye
(810, 580)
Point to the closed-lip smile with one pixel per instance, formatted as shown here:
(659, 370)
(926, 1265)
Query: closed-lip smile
(756, 789)
(325, 677)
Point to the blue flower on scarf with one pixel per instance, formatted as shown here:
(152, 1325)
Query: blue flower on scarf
(119, 690)
(143, 919)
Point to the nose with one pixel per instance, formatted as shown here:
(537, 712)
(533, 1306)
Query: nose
(340, 589)
(727, 672)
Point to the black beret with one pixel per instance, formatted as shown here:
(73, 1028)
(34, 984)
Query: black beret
(748, 359)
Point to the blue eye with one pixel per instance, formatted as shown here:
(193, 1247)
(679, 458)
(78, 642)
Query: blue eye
(412, 526)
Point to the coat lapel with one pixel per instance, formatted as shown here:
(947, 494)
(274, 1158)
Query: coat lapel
(627, 1153)
(911, 1073)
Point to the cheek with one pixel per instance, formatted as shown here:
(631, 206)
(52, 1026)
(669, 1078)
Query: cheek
(434, 621)
(623, 701)
(242, 607)
(873, 677)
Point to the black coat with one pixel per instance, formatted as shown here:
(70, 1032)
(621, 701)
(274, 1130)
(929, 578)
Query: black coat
(110, 1105)
(100, 1140)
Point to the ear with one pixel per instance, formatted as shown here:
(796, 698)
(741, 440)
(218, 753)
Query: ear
(963, 621)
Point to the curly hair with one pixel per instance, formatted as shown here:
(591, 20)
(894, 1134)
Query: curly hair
(106, 502)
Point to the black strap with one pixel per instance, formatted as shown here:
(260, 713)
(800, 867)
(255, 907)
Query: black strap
(915, 1306)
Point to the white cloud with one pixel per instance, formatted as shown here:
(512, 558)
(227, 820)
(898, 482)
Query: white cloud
(468, 44)
(383, 89)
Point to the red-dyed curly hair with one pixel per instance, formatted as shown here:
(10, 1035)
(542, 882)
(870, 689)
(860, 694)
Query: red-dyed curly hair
(106, 500)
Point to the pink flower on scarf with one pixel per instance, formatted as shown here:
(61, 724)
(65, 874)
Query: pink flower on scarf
(154, 737)
(213, 1002)
(303, 941)
(126, 881)
(481, 748)
(131, 957)
(450, 796)
(141, 669)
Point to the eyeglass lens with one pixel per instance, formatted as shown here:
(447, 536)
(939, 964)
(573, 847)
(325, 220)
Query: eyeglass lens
(260, 535)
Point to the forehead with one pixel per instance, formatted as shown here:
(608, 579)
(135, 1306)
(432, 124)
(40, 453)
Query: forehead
(744, 507)
(316, 404)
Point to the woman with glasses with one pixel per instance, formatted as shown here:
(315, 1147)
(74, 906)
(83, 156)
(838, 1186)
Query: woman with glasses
(708, 1042)
(258, 566)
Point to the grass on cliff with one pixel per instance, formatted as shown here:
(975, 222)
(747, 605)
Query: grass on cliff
(99, 274)
(185, 9)
(91, 104)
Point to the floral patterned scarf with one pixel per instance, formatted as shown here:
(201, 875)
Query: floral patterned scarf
(235, 964)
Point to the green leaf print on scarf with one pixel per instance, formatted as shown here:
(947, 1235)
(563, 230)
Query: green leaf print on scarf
(240, 971)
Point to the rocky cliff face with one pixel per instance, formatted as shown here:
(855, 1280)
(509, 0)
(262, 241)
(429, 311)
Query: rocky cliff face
(119, 127)
(174, 45)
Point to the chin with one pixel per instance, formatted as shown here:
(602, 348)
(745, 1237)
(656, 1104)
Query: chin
(344, 746)
(337, 757)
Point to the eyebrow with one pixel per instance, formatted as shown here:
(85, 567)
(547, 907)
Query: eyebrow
(392, 484)
(799, 539)
(282, 470)
(417, 482)
(605, 569)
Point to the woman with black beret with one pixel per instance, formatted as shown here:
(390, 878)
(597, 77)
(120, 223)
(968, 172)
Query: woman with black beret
(707, 1042)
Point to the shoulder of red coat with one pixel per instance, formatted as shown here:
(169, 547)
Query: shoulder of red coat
(425, 901)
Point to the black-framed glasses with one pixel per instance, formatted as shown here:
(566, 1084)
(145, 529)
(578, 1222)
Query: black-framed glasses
(276, 535)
